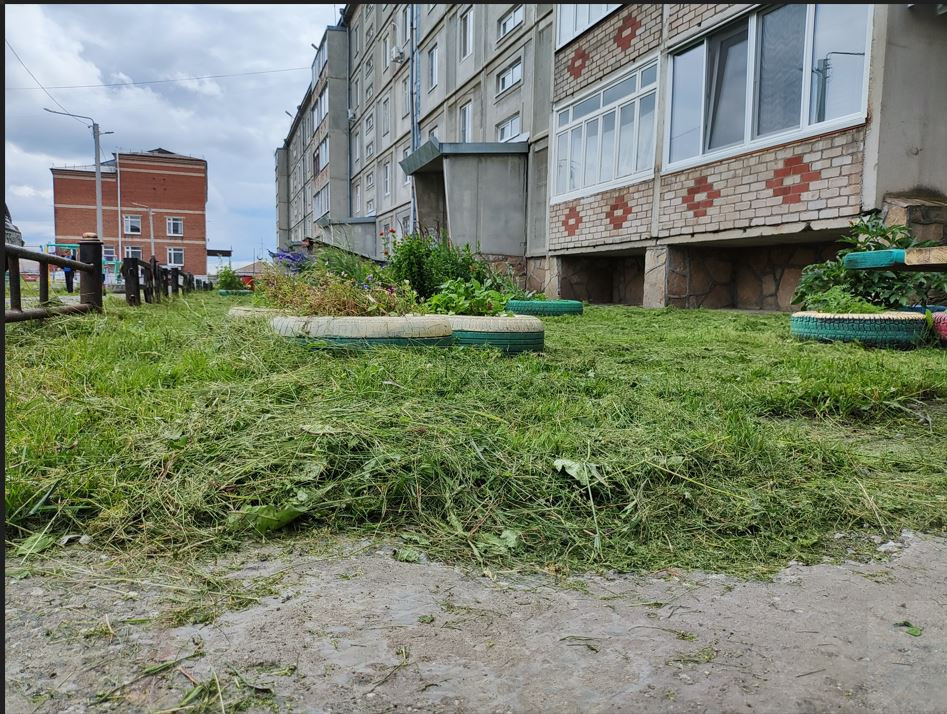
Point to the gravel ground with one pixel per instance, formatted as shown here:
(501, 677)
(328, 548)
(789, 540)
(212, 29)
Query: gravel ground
(347, 628)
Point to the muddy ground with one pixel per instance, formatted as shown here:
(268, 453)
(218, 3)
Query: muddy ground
(304, 626)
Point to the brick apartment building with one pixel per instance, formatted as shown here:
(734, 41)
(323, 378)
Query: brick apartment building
(677, 154)
(163, 197)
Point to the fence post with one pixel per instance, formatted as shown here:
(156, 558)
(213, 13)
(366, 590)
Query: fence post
(174, 281)
(91, 284)
(132, 283)
(43, 284)
(155, 279)
(165, 282)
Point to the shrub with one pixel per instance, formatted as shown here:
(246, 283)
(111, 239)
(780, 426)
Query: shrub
(885, 288)
(468, 297)
(427, 261)
(315, 290)
(345, 263)
(227, 279)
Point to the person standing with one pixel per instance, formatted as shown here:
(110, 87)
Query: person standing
(69, 273)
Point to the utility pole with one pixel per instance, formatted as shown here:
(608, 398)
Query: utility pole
(98, 168)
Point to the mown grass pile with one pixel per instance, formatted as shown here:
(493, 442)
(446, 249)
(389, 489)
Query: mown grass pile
(641, 439)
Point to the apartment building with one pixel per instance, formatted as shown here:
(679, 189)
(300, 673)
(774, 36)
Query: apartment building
(162, 197)
(678, 154)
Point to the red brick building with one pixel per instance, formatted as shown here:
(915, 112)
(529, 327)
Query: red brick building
(163, 198)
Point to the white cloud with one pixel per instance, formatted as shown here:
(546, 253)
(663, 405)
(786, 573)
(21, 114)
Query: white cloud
(235, 123)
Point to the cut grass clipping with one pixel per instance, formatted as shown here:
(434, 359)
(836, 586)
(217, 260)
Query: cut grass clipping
(640, 440)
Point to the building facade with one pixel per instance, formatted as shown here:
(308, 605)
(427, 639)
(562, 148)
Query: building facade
(163, 197)
(679, 154)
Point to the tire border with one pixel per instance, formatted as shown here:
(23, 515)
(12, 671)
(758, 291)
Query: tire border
(883, 329)
(545, 307)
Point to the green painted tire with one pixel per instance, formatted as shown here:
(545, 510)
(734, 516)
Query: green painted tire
(235, 292)
(883, 329)
(355, 343)
(506, 341)
(874, 259)
(545, 307)
(510, 333)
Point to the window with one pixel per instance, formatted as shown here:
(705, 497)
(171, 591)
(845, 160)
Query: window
(369, 123)
(175, 226)
(385, 116)
(511, 20)
(576, 19)
(777, 71)
(356, 40)
(133, 224)
(369, 179)
(133, 251)
(108, 252)
(465, 122)
(320, 202)
(432, 132)
(319, 62)
(322, 106)
(510, 76)
(405, 97)
(386, 49)
(320, 158)
(369, 90)
(404, 154)
(176, 257)
(369, 149)
(405, 27)
(386, 178)
(355, 98)
(608, 136)
(509, 128)
(370, 207)
(356, 149)
(432, 68)
(466, 33)
(356, 199)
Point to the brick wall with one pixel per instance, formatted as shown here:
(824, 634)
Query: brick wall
(616, 216)
(686, 16)
(623, 37)
(808, 180)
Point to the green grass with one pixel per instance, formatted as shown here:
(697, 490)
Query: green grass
(693, 439)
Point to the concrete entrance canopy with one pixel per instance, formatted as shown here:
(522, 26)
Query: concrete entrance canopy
(477, 191)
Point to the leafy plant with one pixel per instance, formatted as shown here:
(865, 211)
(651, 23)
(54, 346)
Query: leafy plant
(345, 263)
(427, 261)
(838, 300)
(885, 288)
(227, 279)
(468, 297)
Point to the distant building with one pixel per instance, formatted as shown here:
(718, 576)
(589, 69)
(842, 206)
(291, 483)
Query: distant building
(163, 199)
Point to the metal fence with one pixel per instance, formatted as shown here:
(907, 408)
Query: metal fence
(155, 280)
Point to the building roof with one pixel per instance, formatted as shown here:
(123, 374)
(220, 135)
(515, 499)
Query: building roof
(255, 268)
(429, 155)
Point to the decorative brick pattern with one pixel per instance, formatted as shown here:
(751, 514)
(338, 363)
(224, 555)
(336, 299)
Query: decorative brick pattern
(571, 221)
(627, 31)
(617, 41)
(621, 215)
(687, 16)
(577, 63)
(810, 180)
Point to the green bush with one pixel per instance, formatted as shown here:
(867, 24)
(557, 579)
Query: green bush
(883, 288)
(468, 297)
(838, 300)
(345, 263)
(227, 279)
(427, 261)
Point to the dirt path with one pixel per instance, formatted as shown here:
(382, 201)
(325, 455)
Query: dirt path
(354, 630)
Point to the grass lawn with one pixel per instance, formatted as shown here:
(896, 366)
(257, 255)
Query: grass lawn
(683, 438)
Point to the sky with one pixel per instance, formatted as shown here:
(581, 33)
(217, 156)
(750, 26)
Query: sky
(234, 123)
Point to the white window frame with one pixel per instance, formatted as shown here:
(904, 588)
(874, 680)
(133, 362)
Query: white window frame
(652, 60)
(512, 69)
(404, 25)
(805, 129)
(172, 262)
(432, 67)
(465, 122)
(355, 98)
(356, 36)
(131, 250)
(356, 198)
(128, 222)
(370, 207)
(320, 202)
(405, 96)
(369, 149)
(571, 22)
(386, 49)
(404, 154)
(108, 252)
(517, 14)
(356, 148)
(169, 221)
(370, 179)
(466, 33)
(509, 121)
(386, 116)
(386, 178)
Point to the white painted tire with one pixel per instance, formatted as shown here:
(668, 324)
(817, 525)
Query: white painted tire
(409, 330)
(491, 323)
(514, 333)
(253, 312)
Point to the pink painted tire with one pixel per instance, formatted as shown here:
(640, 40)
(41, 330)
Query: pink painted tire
(940, 327)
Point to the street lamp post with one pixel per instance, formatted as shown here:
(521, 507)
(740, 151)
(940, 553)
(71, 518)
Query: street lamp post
(98, 168)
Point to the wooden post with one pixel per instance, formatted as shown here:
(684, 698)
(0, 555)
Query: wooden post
(149, 282)
(90, 283)
(175, 274)
(44, 284)
(165, 282)
(155, 279)
(132, 282)
(13, 266)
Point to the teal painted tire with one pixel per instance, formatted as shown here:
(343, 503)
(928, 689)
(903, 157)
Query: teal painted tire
(506, 341)
(545, 307)
(510, 333)
(235, 292)
(875, 259)
(884, 329)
